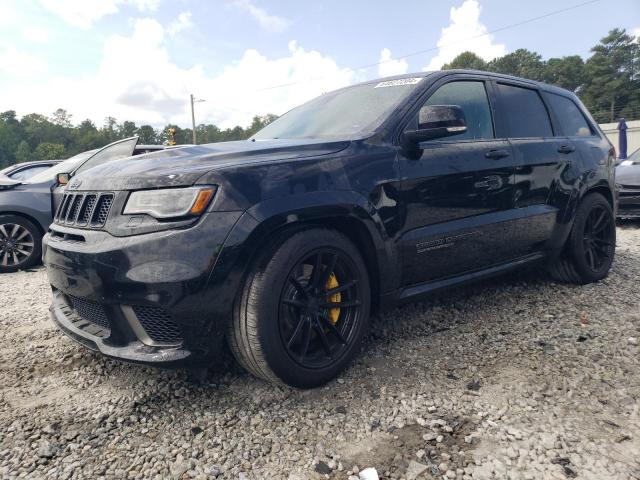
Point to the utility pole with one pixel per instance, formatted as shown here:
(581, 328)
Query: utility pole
(193, 117)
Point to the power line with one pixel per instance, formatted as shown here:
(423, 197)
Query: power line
(432, 49)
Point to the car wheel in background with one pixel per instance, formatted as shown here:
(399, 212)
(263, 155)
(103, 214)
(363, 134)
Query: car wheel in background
(303, 310)
(20, 243)
(590, 248)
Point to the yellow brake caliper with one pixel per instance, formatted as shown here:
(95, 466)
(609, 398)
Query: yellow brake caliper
(334, 313)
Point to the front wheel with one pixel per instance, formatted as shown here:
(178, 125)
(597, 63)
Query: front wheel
(303, 310)
(590, 248)
(20, 243)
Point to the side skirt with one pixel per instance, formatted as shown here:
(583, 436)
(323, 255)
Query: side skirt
(413, 292)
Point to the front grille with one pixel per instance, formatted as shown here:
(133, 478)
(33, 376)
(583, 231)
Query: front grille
(88, 210)
(92, 312)
(158, 324)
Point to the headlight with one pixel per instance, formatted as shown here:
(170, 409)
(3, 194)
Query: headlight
(170, 202)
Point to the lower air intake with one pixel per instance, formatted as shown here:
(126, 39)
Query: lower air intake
(92, 312)
(158, 325)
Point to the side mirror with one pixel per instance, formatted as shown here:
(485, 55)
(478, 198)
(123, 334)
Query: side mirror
(438, 121)
(63, 178)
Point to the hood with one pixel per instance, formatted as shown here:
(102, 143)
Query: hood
(183, 166)
(7, 183)
(628, 175)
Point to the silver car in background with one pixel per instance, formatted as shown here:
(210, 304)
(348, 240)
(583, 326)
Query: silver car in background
(628, 184)
(27, 206)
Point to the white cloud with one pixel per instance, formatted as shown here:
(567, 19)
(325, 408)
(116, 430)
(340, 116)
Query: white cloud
(389, 66)
(83, 13)
(465, 33)
(8, 15)
(636, 32)
(183, 22)
(145, 5)
(137, 81)
(16, 63)
(272, 23)
(36, 34)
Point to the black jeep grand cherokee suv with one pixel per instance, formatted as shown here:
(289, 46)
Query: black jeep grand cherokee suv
(362, 198)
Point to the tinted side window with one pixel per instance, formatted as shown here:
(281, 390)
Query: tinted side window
(571, 119)
(471, 96)
(524, 113)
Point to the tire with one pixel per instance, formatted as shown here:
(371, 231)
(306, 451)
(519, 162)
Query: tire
(20, 243)
(279, 310)
(576, 264)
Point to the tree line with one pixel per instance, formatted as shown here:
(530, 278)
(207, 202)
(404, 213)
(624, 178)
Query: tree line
(608, 82)
(37, 137)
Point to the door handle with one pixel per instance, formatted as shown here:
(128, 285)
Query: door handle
(566, 149)
(497, 154)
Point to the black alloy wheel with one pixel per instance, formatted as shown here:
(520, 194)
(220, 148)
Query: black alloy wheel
(599, 238)
(19, 243)
(320, 307)
(303, 309)
(589, 251)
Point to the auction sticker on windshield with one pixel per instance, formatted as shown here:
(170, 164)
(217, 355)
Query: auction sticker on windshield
(397, 83)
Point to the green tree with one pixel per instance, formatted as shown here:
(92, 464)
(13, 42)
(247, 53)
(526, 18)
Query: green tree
(521, 63)
(258, 123)
(23, 152)
(61, 117)
(10, 135)
(49, 151)
(565, 72)
(87, 137)
(127, 129)
(467, 60)
(147, 135)
(612, 86)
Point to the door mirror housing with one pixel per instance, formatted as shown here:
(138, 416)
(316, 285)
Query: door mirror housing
(63, 178)
(437, 121)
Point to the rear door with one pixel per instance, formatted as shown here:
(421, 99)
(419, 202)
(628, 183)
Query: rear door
(540, 156)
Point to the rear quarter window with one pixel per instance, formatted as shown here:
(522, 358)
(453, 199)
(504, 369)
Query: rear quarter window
(572, 121)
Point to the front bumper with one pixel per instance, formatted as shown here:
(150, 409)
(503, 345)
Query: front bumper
(629, 204)
(99, 339)
(139, 298)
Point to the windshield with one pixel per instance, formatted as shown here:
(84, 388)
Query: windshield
(63, 167)
(343, 113)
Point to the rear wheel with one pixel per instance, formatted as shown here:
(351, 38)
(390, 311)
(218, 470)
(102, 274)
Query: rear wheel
(20, 243)
(590, 248)
(303, 310)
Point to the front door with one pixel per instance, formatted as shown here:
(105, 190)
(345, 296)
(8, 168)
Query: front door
(458, 195)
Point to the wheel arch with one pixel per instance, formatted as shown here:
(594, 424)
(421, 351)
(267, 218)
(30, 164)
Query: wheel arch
(604, 190)
(346, 212)
(26, 216)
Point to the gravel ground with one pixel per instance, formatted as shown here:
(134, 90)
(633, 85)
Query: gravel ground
(516, 378)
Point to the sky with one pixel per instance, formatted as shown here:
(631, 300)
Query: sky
(140, 60)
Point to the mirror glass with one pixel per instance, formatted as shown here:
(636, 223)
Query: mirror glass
(63, 178)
